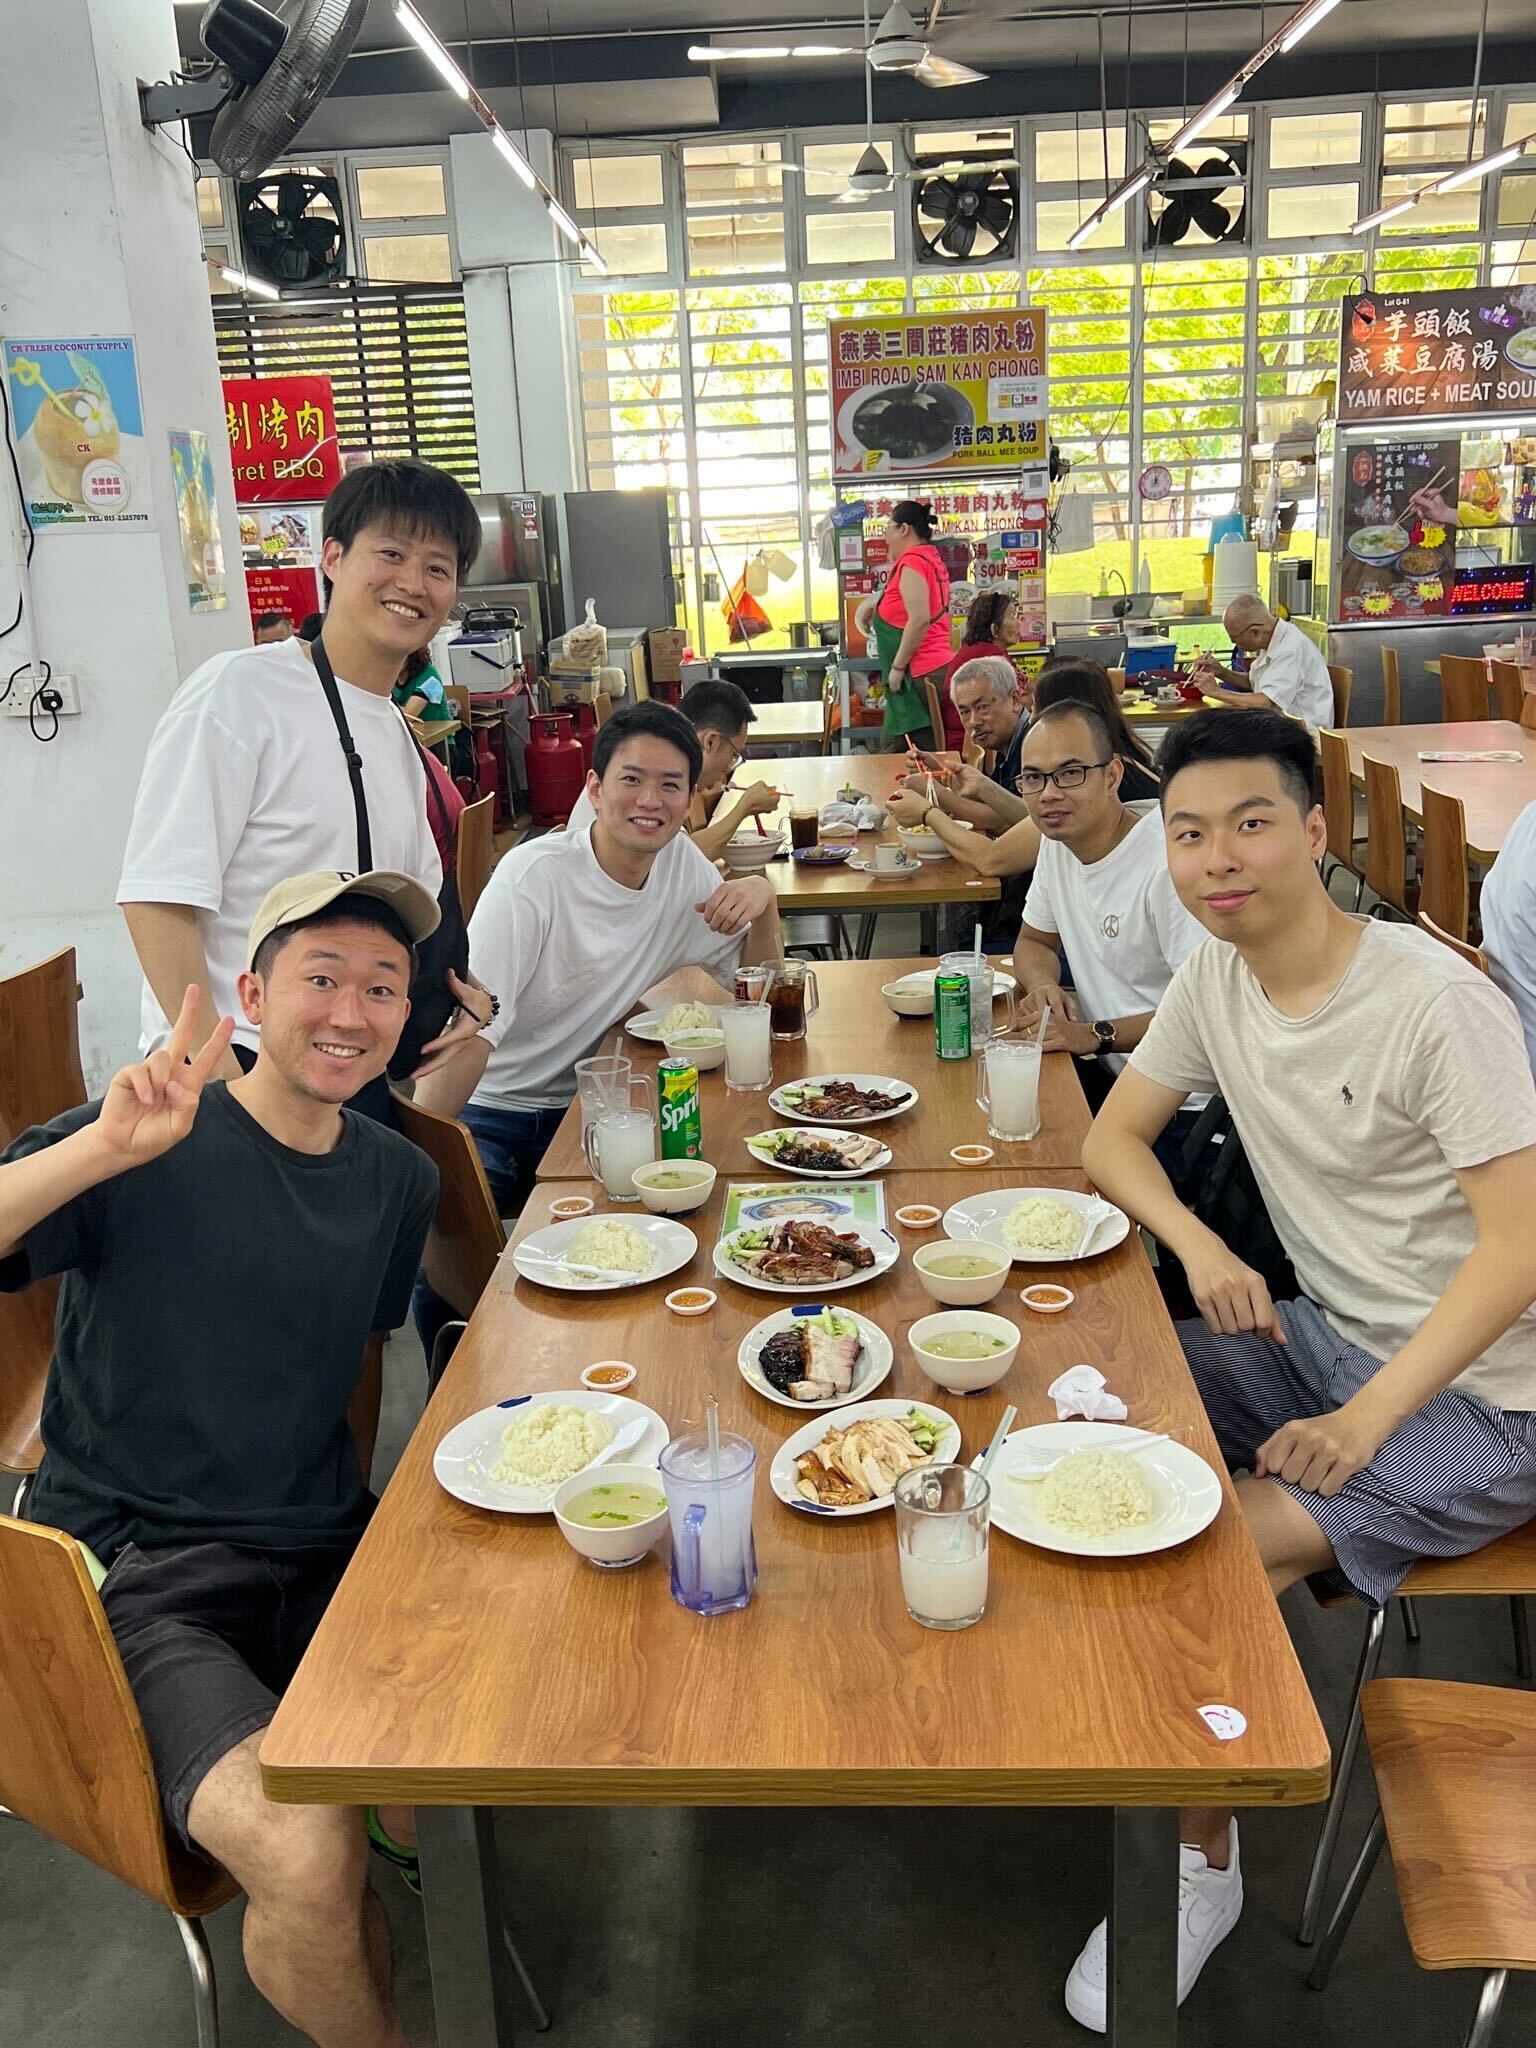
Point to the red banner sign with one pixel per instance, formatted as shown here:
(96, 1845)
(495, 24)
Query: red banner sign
(282, 439)
(294, 592)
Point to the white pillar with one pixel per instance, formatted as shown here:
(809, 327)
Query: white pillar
(105, 242)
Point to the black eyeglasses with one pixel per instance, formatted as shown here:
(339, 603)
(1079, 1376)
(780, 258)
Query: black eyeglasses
(1031, 781)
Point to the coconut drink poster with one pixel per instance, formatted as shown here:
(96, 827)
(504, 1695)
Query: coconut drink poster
(197, 516)
(79, 428)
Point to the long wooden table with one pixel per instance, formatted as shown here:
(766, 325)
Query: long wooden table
(471, 1661)
(1493, 793)
(795, 723)
(855, 1032)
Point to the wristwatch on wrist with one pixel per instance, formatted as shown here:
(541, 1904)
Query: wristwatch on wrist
(1105, 1033)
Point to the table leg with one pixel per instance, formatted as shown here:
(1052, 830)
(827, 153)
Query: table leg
(472, 1986)
(1143, 1929)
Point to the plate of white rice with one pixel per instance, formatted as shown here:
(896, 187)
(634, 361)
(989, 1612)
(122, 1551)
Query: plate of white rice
(511, 1458)
(656, 1026)
(1038, 1226)
(652, 1246)
(1098, 1502)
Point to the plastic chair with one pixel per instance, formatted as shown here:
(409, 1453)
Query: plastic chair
(1508, 689)
(476, 852)
(1343, 849)
(1463, 689)
(1454, 1769)
(1386, 840)
(466, 1238)
(1471, 954)
(75, 1763)
(1444, 888)
(1343, 681)
(1391, 688)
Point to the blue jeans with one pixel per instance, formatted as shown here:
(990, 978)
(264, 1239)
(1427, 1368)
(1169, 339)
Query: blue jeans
(511, 1142)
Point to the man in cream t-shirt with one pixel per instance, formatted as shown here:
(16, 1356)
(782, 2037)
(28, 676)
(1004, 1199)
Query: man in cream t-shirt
(1287, 671)
(1380, 1089)
(1101, 893)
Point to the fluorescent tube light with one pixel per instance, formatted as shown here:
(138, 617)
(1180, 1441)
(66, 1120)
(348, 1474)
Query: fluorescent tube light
(1198, 123)
(1480, 169)
(1374, 220)
(1290, 37)
(514, 156)
(420, 34)
(562, 220)
(253, 285)
(709, 53)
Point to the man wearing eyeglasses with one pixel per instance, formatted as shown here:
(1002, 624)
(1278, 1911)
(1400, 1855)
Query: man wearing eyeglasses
(1101, 893)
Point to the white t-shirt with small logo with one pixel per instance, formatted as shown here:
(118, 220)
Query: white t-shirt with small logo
(1121, 924)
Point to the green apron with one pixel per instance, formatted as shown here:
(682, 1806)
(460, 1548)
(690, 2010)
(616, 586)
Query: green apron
(906, 709)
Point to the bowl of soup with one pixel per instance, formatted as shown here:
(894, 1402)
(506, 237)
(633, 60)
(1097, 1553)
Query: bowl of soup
(705, 1048)
(611, 1514)
(963, 1350)
(962, 1275)
(671, 1187)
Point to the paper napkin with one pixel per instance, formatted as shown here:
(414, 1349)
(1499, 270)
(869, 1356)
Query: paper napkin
(1081, 1391)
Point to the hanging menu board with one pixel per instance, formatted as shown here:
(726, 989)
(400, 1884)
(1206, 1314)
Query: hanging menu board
(1437, 354)
(1398, 516)
(922, 397)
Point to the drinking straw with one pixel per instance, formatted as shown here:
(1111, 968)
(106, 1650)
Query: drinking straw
(712, 1428)
(976, 956)
(1010, 1416)
(1045, 1015)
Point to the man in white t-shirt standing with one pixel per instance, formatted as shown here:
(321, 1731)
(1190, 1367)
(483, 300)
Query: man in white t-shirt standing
(245, 780)
(1380, 1089)
(1101, 893)
(1286, 671)
(573, 928)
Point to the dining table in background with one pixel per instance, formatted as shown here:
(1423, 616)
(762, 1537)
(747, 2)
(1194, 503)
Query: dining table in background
(798, 722)
(1492, 793)
(856, 1032)
(471, 1661)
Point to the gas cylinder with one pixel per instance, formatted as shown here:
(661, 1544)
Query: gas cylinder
(585, 716)
(556, 772)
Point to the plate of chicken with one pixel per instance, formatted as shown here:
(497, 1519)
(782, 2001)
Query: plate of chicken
(843, 1098)
(816, 1152)
(814, 1357)
(792, 1256)
(850, 1466)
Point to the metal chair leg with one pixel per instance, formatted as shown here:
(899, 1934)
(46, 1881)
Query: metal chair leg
(1520, 1620)
(22, 1496)
(1333, 1817)
(437, 1364)
(1410, 1619)
(1349, 1902)
(1486, 2018)
(205, 1990)
(541, 2021)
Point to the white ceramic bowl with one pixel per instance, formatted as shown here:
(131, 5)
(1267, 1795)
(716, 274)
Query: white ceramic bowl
(749, 854)
(922, 845)
(705, 1048)
(964, 1375)
(950, 1288)
(610, 1546)
(909, 998)
(675, 1201)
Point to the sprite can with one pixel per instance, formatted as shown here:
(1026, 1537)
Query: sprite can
(952, 1016)
(677, 1090)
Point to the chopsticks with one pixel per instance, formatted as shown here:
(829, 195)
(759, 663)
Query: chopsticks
(1434, 482)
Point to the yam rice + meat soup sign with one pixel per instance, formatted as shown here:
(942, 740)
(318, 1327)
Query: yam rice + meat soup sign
(1437, 354)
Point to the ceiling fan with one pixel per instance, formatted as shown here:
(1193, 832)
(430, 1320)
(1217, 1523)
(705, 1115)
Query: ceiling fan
(898, 44)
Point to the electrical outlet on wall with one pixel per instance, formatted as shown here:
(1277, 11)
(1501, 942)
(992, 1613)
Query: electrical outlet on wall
(19, 703)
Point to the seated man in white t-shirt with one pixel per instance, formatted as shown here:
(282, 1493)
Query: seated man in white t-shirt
(245, 781)
(1101, 894)
(573, 928)
(1380, 1088)
(1286, 672)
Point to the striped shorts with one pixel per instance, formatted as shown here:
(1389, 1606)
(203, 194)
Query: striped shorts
(1448, 1480)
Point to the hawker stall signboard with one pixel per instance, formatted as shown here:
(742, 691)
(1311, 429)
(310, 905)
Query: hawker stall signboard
(282, 439)
(919, 397)
(1436, 355)
(1400, 523)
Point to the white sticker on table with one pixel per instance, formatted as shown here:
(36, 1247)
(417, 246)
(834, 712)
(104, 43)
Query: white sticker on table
(1225, 1723)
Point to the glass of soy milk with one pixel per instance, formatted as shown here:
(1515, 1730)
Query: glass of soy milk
(942, 1518)
(1008, 1088)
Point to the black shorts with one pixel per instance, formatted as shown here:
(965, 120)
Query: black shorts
(210, 1636)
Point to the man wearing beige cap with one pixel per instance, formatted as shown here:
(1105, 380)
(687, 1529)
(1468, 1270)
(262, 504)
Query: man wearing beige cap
(232, 1255)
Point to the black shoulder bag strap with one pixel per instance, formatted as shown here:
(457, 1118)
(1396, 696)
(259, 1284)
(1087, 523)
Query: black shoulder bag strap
(353, 759)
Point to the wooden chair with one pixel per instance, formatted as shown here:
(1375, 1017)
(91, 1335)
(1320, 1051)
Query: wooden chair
(476, 852)
(1391, 688)
(1343, 681)
(1454, 1769)
(1463, 688)
(830, 699)
(602, 708)
(1505, 1568)
(1528, 712)
(1343, 849)
(75, 1762)
(40, 1077)
(1444, 887)
(936, 716)
(466, 1238)
(457, 694)
(1473, 956)
(1508, 689)
(1386, 841)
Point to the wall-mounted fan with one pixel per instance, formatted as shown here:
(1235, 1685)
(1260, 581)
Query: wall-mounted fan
(290, 229)
(1211, 196)
(966, 216)
(897, 44)
(272, 66)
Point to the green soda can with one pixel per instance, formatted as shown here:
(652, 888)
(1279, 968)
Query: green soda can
(677, 1089)
(952, 1017)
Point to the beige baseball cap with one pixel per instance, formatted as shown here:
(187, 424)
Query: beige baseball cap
(303, 895)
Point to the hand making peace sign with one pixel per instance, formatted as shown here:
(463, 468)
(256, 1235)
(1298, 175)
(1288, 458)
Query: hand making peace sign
(150, 1107)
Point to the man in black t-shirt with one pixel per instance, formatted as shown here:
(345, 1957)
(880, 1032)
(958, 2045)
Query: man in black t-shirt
(233, 1255)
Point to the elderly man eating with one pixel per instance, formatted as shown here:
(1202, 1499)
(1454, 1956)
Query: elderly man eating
(1287, 672)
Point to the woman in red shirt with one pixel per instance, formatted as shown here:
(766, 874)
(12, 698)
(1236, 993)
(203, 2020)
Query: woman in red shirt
(911, 627)
(991, 627)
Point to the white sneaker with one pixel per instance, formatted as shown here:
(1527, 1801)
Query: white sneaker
(1210, 1902)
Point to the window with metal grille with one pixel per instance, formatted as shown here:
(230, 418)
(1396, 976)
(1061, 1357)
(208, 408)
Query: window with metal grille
(398, 361)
